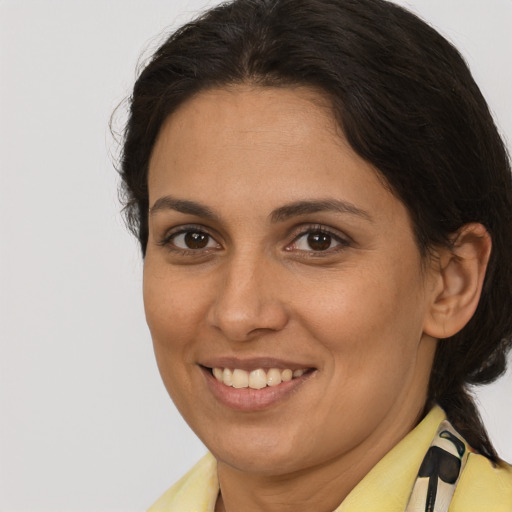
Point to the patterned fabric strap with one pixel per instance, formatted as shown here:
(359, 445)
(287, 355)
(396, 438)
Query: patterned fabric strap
(439, 472)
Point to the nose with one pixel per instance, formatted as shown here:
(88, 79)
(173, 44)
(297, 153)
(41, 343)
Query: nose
(248, 302)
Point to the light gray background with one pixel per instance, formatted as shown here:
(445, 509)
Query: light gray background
(85, 424)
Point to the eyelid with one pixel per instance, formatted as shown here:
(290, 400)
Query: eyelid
(303, 230)
(298, 232)
(170, 234)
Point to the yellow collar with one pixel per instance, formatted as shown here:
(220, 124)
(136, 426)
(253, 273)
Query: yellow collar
(386, 488)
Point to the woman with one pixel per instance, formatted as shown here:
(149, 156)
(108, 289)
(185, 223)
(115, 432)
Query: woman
(324, 206)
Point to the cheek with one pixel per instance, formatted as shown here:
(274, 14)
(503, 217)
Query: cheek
(173, 310)
(171, 301)
(368, 319)
(171, 321)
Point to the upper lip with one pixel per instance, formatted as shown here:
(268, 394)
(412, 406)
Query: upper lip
(253, 363)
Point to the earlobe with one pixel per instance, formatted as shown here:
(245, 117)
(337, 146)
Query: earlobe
(458, 279)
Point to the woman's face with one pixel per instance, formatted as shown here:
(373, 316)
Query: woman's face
(274, 250)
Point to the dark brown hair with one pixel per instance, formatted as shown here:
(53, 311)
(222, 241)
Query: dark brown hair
(406, 102)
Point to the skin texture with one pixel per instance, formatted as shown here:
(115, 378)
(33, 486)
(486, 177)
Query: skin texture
(363, 314)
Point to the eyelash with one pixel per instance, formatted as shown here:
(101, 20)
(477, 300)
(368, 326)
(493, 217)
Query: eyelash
(170, 237)
(317, 229)
(342, 241)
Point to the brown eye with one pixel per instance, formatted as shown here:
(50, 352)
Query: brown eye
(194, 240)
(319, 241)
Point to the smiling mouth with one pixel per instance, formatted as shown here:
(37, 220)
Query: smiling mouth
(256, 379)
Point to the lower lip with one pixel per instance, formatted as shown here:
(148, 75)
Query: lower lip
(248, 399)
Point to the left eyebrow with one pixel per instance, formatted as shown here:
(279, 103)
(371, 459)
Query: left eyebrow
(298, 208)
(182, 206)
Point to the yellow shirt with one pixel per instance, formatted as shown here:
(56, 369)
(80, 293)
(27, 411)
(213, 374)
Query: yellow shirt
(386, 488)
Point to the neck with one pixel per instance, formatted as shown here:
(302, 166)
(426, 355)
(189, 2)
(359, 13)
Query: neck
(321, 488)
(314, 489)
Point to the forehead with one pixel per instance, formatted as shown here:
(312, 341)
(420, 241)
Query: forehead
(244, 120)
(276, 144)
(247, 113)
(277, 101)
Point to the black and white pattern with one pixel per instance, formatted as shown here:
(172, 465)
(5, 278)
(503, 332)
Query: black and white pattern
(439, 472)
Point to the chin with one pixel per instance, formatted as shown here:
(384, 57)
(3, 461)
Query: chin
(263, 453)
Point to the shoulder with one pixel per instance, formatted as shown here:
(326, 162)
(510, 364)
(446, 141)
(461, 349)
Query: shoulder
(483, 487)
(196, 491)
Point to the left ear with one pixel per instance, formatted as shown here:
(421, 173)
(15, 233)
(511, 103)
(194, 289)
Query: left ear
(458, 274)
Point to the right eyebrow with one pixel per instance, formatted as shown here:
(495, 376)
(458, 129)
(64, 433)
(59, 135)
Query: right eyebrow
(313, 206)
(182, 206)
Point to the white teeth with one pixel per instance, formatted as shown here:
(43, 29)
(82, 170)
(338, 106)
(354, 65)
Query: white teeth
(273, 377)
(286, 375)
(257, 379)
(227, 377)
(240, 379)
